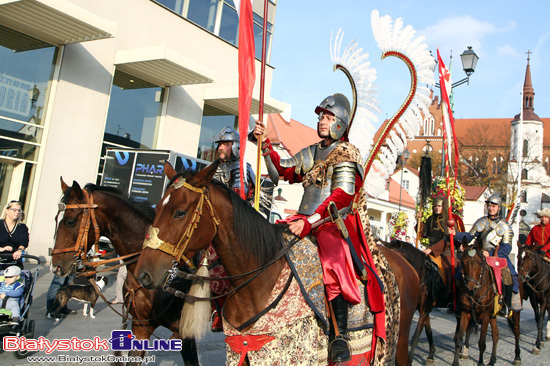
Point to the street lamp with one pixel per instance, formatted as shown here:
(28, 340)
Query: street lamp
(404, 158)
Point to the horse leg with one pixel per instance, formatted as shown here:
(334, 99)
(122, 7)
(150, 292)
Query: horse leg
(548, 325)
(429, 335)
(189, 351)
(140, 332)
(462, 324)
(539, 317)
(482, 344)
(514, 326)
(416, 336)
(494, 334)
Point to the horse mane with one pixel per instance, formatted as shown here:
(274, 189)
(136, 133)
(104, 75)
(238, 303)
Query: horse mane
(258, 238)
(143, 207)
(414, 256)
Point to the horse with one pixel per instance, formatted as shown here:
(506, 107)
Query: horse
(430, 288)
(196, 211)
(125, 223)
(534, 273)
(476, 296)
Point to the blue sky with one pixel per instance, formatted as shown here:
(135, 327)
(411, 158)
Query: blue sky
(500, 33)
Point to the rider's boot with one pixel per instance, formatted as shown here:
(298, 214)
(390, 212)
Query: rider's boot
(506, 310)
(339, 348)
(217, 323)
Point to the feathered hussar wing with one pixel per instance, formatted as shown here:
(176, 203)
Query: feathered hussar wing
(396, 40)
(356, 65)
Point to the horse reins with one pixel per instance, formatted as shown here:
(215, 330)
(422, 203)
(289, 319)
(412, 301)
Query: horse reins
(477, 285)
(527, 278)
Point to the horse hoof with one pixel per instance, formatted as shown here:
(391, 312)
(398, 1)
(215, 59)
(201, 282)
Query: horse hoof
(535, 351)
(547, 338)
(463, 356)
(517, 362)
(429, 361)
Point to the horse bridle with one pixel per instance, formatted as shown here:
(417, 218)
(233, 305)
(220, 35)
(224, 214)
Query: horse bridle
(476, 282)
(88, 218)
(153, 241)
(527, 278)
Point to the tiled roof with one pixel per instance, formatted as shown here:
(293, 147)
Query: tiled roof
(472, 193)
(406, 199)
(293, 135)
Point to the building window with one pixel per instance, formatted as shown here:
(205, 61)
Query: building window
(406, 185)
(525, 148)
(523, 197)
(24, 89)
(524, 174)
(213, 120)
(220, 17)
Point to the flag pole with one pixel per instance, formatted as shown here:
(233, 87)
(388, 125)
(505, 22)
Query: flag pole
(261, 112)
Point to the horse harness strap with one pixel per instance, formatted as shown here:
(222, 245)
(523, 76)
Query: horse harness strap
(87, 219)
(153, 241)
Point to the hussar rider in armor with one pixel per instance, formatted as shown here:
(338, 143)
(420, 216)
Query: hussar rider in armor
(228, 171)
(330, 170)
(229, 174)
(498, 236)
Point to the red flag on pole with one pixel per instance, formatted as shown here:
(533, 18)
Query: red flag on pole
(247, 76)
(445, 85)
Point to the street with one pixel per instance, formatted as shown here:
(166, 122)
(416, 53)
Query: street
(212, 347)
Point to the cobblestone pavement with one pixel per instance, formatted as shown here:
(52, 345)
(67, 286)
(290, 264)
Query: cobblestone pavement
(212, 347)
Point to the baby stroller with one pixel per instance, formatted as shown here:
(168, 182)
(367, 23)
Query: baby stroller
(25, 327)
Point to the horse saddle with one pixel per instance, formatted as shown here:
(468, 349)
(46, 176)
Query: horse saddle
(497, 264)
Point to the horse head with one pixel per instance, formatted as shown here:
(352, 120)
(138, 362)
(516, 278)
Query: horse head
(185, 223)
(473, 266)
(74, 233)
(529, 262)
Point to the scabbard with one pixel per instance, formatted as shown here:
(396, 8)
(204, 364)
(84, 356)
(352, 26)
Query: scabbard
(337, 219)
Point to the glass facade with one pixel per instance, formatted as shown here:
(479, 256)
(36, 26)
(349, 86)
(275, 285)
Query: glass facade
(220, 18)
(132, 119)
(24, 88)
(213, 120)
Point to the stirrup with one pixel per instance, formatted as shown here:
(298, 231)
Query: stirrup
(342, 356)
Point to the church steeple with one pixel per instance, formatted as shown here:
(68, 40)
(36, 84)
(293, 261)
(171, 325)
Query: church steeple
(528, 96)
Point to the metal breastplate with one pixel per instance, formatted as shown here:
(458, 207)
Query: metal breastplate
(229, 174)
(340, 175)
(500, 227)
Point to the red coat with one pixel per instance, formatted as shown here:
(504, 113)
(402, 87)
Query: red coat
(540, 235)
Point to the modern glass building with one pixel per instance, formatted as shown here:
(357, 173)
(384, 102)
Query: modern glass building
(79, 76)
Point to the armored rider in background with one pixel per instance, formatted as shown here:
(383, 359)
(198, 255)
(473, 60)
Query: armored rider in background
(228, 171)
(330, 170)
(229, 174)
(498, 234)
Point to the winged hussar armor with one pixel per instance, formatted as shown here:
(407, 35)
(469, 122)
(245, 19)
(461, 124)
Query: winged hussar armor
(229, 174)
(338, 176)
(500, 227)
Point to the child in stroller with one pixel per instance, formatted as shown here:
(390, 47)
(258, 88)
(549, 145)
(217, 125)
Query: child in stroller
(11, 292)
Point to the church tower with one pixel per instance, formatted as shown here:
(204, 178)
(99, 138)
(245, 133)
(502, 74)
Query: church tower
(526, 148)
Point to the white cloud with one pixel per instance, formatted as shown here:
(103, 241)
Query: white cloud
(456, 33)
(508, 50)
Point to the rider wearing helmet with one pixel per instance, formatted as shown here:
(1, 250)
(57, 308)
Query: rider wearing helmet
(228, 171)
(330, 170)
(498, 234)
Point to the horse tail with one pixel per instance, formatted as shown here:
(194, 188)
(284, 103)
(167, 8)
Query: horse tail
(196, 314)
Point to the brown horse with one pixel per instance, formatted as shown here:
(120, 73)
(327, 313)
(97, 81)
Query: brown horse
(534, 273)
(125, 223)
(196, 211)
(476, 295)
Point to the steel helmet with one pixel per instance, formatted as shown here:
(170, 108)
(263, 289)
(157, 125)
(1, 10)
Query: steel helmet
(337, 105)
(228, 134)
(494, 198)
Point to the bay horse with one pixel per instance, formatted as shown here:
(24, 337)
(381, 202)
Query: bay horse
(534, 273)
(195, 211)
(430, 289)
(125, 223)
(476, 296)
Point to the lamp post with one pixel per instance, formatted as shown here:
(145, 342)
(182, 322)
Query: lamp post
(404, 157)
(469, 63)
